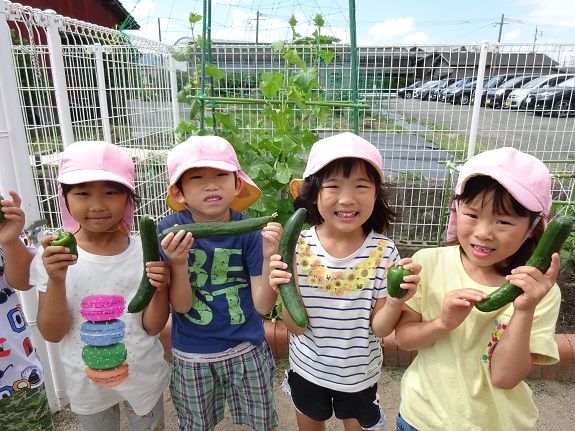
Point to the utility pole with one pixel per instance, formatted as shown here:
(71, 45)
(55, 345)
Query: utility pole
(500, 28)
(159, 30)
(257, 25)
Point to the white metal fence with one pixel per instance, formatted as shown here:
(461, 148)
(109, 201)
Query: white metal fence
(63, 80)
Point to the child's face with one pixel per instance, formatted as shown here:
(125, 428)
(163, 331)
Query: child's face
(208, 192)
(345, 204)
(97, 206)
(487, 237)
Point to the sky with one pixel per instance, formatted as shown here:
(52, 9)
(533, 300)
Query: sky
(378, 22)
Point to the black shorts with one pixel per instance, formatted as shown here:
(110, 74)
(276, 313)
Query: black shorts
(319, 403)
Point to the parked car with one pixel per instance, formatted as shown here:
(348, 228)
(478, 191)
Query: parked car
(439, 94)
(557, 101)
(407, 92)
(425, 88)
(496, 97)
(463, 94)
(516, 99)
(493, 82)
(444, 83)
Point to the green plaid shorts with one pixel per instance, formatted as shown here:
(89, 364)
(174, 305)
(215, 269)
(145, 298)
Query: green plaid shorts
(26, 410)
(200, 391)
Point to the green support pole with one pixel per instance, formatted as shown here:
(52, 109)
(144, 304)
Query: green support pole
(354, 66)
(205, 26)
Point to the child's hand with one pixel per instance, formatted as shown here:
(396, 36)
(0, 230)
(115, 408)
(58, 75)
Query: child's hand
(410, 281)
(534, 284)
(278, 273)
(177, 246)
(56, 259)
(271, 233)
(457, 305)
(159, 274)
(12, 227)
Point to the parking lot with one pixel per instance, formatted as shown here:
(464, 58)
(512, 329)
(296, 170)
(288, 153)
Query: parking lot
(496, 127)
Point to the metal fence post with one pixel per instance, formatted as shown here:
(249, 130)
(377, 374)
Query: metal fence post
(59, 78)
(101, 81)
(174, 91)
(477, 104)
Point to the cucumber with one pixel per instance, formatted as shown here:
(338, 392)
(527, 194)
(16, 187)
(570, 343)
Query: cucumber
(395, 276)
(151, 252)
(217, 229)
(289, 292)
(551, 242)
(2, 218)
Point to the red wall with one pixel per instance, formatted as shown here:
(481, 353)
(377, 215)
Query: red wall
(98, 12)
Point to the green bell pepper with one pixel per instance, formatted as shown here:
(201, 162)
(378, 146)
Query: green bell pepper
(66, 239)
(395, 276)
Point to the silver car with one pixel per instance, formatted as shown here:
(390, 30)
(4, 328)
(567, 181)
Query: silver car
(517, 98)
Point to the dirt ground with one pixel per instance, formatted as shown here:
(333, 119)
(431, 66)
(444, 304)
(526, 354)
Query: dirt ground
(554, 400)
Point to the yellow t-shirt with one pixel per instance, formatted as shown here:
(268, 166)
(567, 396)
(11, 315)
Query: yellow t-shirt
(448, 385)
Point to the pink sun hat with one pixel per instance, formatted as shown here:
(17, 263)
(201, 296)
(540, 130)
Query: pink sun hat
(87, 161)
(341, 146)
(524, 176)
(209, 152)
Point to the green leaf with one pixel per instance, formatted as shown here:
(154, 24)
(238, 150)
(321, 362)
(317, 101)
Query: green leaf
(214, 72)
(227, 121)
(194, 18)
(283, 173)
(326, 56)
(295, 97)
(278, 46)
(306, 79)
(182, 96)
(292, 21)
(318, 21)
(183, 54)
(293, 57)
(271, 83)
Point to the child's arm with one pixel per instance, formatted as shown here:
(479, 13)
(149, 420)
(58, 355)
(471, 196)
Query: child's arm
(264, 296)
(155, 315)
(177, 249)
(412, 333)
(17, 258)
(387, 311)
(53, 315)
(512, 358)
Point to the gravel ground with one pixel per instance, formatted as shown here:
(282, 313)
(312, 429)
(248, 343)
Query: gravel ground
(555, 401)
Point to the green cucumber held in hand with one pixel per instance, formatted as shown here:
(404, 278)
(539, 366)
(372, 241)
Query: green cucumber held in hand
(66, 239)
(2, 218)
(395, 276)
(551, 242)
(218, 229)
(289, 292)
(151, 253)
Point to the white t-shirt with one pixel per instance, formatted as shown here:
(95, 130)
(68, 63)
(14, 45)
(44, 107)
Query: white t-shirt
(339, 350)
(148, 371)
(19, 362)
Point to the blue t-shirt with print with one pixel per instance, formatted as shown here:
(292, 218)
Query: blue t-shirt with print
(223, 313)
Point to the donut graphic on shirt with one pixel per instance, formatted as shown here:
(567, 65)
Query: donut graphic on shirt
(104, 353)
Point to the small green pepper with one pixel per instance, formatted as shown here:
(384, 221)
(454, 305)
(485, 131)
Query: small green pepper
(2, 218)
(66, 239)
(395, 276)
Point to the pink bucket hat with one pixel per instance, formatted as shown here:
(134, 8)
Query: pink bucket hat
(209, 152)
(88, 161)
(341, 146)
(525, 177)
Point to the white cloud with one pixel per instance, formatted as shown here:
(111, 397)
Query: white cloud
(512, 36)
(390, 28)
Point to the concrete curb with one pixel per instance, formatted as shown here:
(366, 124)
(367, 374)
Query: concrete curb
(562, 371)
